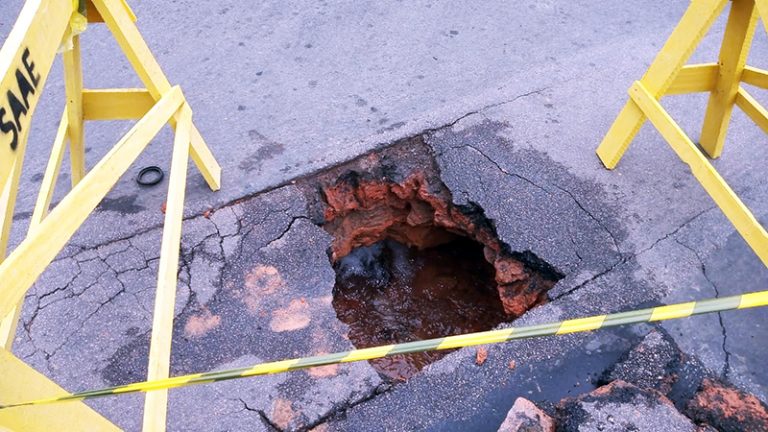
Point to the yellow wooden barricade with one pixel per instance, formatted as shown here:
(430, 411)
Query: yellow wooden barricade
(43, 28)
(669, 75)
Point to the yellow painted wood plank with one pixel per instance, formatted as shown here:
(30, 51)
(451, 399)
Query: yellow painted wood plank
(19, 382)
(34, 254)
(73, 86)
(116, 104)
(737, 41)
(754, 76)
(694, 24)
(739, 215)
(48, 184)
(155, 405)
(10, 320)
(694, 79)
(9, 324)
(139, 55)
(621, 133)
(25, 61)
(202, 157)
(752, 108)
(762, 11)
(8, 203)
(133, 46)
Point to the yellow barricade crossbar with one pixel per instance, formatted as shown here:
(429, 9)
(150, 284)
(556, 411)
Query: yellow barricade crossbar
(43, 30)
(668, 74)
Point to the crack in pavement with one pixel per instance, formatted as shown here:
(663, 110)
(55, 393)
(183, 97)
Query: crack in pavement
(547, 191)
(340, 409)
(268, 423)
(82, 325)
(337, 411)
(71, 292)
(206, 213)
(285, 231)
(185, 261)
(628, 257)
(727, 361)
(483, 108)
(504, 171)
(593, 217)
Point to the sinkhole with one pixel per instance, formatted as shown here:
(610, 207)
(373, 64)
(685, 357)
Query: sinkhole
(411, 265)
(389, 292)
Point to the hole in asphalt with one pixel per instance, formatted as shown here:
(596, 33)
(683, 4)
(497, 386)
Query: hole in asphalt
(389, 292)
(412, 265)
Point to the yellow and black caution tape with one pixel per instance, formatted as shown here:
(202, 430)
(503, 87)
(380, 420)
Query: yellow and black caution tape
(660, 313)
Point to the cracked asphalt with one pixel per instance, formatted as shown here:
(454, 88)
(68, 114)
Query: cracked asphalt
(511, 101)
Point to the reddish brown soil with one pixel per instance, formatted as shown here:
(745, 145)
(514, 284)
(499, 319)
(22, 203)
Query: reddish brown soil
(410, 264)
(361, 212)
(727, 408)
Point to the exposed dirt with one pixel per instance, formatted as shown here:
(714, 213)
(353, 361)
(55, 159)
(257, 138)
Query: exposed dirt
(397, 194)
(620, 406)
(418, 212)
(419, 265)
(663, 374)
(727, 408)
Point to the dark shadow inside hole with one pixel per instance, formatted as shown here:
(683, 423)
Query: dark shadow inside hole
(389, 292)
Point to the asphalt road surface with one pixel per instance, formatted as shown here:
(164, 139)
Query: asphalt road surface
(513, 99)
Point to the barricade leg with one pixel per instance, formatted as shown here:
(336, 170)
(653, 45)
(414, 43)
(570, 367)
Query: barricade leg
(156, 403)
(752, 108)
(696, 21)
(40, 247)
(48, 184)
(118, 20)
(21, 382)
(733, 56)
(73, 84)
(739, 215)
(762, 11)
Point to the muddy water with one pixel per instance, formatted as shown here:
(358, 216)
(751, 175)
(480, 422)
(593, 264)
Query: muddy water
(390, 293)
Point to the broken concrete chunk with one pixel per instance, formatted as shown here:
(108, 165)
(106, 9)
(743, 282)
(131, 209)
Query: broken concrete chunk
(524, 416)
(688, 378)
(727, 408)
(652, 364)
(620, 406)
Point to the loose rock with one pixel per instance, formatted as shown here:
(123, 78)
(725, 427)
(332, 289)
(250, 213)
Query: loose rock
(727, 408)
(618, 407)
(652, 364)
(527, 417)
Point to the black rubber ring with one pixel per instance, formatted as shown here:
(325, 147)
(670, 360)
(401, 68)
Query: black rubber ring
(159, 174)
